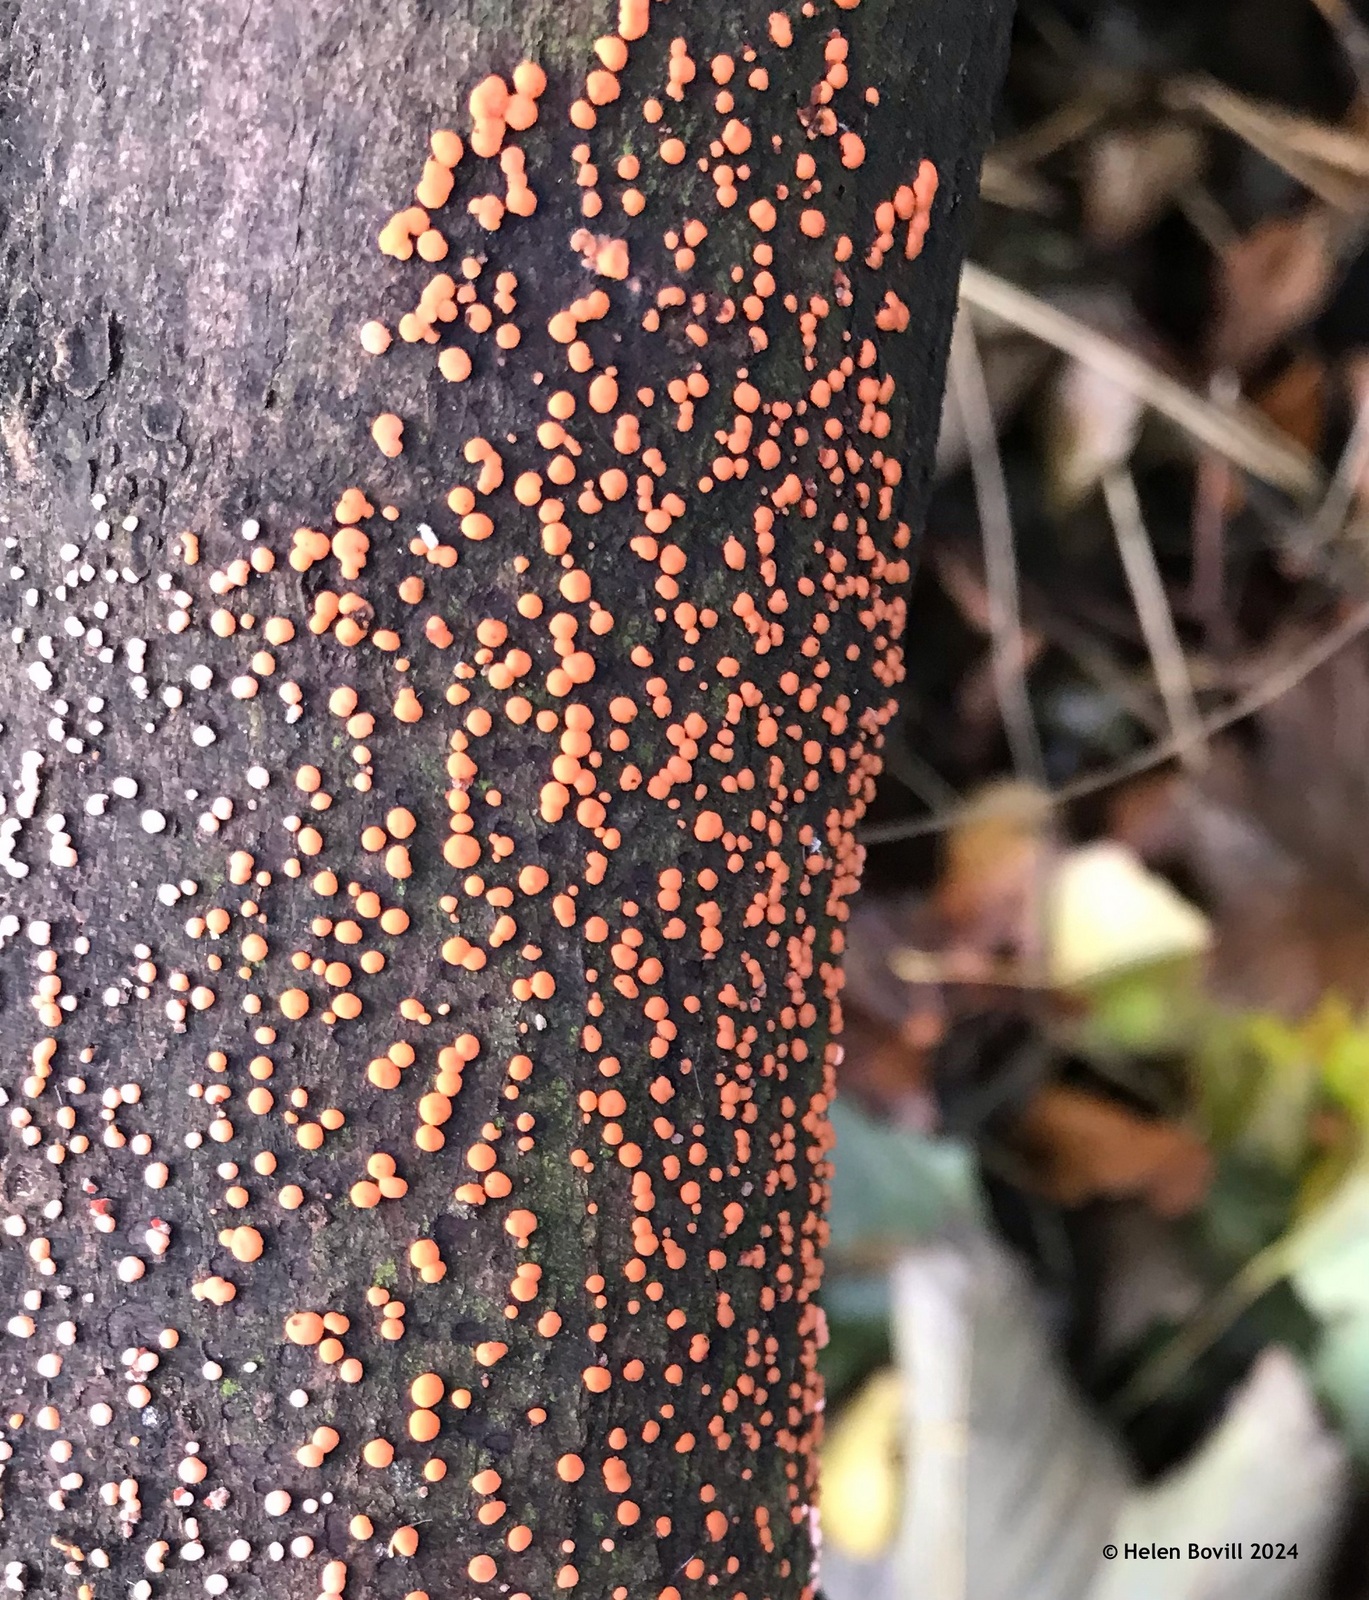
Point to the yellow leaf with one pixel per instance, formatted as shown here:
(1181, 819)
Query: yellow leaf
(1106, 913)
(862, 1474)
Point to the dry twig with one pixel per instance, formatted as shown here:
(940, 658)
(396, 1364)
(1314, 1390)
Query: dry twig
(1155, 616)
(1333, 163)
(1344, 486)
(1278, 683)
(1353, 36)
(1007, 645)
(1241, 436)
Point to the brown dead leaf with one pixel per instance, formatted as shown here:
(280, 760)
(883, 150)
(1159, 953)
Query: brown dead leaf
(1271, 281)
(885, 1071)
(1284, 947)
(993, 871)
(918, 966)
(1295, 401)
(926, 1003)
(1148, 815)
(965, 588)
(1082, 1147)
(892, 1025)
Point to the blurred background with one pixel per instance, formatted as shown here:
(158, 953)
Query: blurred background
(1099, 1267)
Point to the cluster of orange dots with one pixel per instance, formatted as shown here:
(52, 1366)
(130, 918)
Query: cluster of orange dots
(729, 705)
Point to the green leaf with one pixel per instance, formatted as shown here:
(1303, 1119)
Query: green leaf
(1345, 1072)
(1247, 1208)
(1331, 1267)
(1260, 1080)
(856, 1347)
(1149, 1010)
(1341, 1371)
(891, 1187)
(1331, 1274)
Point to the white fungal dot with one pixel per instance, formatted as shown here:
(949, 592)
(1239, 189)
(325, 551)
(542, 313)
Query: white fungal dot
(152, 821)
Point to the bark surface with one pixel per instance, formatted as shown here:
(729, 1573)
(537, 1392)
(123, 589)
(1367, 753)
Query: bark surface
(430, 776)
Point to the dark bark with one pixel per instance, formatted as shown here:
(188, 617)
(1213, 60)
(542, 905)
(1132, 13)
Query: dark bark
(190, 197)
